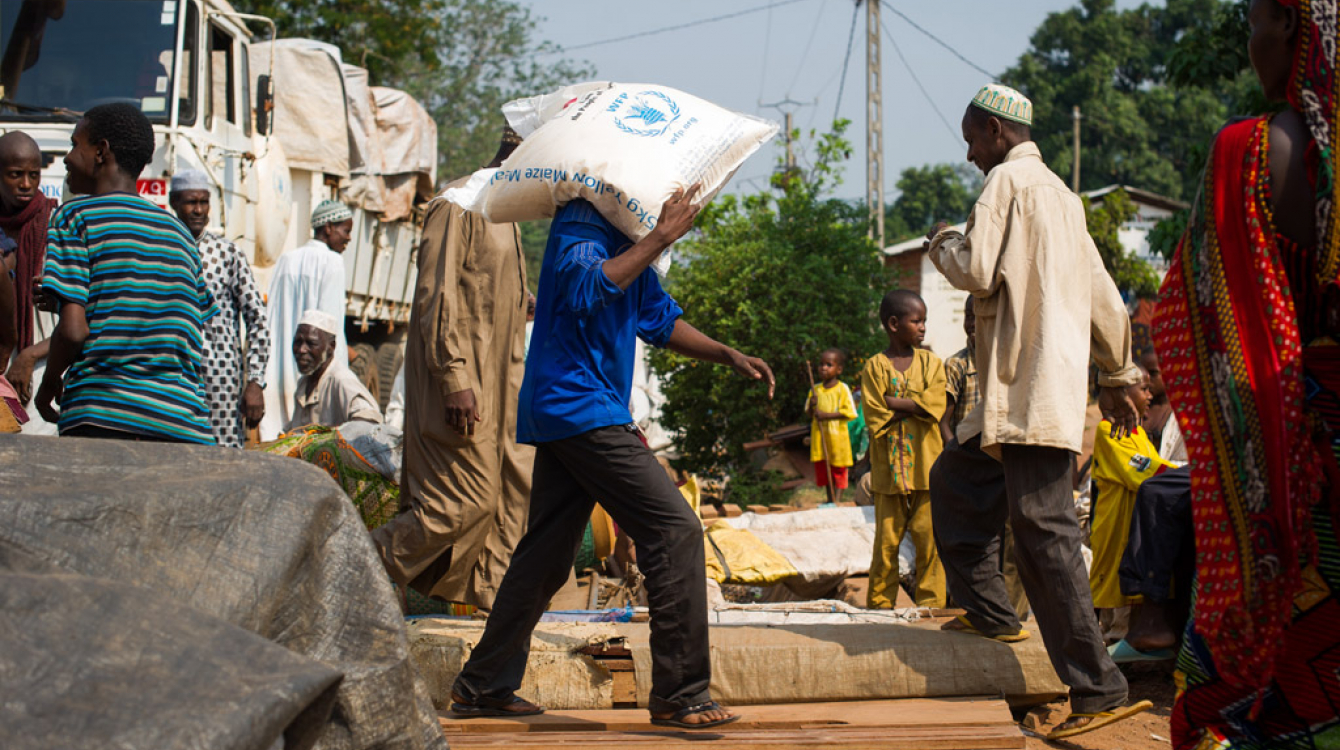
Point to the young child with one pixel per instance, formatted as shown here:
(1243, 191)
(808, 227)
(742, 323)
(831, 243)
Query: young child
(904, 392)
(830, 406)
(1119, 467)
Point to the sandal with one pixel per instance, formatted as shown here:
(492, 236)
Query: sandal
(677, 719)
(960, 624)
(513, 705)
(1122, 652)
(1079, 723)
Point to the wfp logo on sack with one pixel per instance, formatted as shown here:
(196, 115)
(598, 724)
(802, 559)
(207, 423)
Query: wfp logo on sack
(646, 113)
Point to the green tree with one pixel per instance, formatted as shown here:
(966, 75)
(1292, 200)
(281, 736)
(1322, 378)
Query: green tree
(1135, 128)
(1130, 273)
(931, 193)
(462, 59)
(780, 275)
(378, 35)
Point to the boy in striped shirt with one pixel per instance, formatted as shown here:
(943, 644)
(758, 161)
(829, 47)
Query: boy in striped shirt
(125, 276)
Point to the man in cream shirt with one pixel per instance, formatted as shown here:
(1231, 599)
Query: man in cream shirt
(1045, 304)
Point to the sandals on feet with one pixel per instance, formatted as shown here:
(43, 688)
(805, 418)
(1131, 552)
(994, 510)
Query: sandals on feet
(1079, 723)
(960, 624)
(677, 719)
(513, 705)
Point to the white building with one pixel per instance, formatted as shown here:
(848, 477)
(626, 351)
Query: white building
(944, 303)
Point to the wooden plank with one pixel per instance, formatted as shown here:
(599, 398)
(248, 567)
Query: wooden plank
(935, 713)
(623, 689)
(888, 739)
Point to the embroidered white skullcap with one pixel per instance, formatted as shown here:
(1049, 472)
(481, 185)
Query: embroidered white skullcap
(1004, 101)
(330, 212)
(321, 321)
(189, 179)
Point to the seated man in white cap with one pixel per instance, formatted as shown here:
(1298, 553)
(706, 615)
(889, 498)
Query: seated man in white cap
(310, 277)
(1044, 304)
(328, 393)
(228, 276)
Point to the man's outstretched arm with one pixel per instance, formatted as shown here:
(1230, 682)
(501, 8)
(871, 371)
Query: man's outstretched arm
(689, 341)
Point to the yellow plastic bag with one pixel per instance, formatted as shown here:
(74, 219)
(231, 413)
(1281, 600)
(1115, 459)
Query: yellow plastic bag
(737, 556)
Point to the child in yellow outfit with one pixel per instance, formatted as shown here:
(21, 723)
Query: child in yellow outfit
(831, 406)
(904, 398)
(1119, 468)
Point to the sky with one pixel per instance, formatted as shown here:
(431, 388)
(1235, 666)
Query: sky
(794, 50)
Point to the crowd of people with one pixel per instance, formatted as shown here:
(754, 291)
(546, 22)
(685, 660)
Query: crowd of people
(1215, 472)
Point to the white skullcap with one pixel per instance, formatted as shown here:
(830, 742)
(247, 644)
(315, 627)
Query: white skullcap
(330, 212)
(321, 321)
(190, 179)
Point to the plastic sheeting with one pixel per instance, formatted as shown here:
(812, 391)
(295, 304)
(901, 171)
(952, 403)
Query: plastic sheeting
(737, 556)
(824, 544)
(170, 570)
(556, 674)
(310, 115)
(797, 663)
(329, 119)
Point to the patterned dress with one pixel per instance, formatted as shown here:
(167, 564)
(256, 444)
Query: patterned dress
(229, 279)
(1254, 376)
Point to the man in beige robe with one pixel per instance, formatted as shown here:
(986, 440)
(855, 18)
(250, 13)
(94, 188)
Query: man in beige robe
(1045, 304)
(466, 482)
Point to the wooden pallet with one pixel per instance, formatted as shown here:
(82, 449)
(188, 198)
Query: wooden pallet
(910, 724)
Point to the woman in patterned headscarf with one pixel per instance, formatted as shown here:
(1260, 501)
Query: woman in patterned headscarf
(1249, 310)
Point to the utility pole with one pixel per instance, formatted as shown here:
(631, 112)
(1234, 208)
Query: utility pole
(1074, 176)
(788, 107)
(874, 125)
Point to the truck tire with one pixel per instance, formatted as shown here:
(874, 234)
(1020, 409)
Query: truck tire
(363, 363)
(390, 355)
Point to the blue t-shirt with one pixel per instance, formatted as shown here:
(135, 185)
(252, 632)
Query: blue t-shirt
(136, 270)
(579, 374)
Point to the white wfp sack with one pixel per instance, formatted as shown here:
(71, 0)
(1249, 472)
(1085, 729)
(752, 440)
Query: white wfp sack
(624, 147)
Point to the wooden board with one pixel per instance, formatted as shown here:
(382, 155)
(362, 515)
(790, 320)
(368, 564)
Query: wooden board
(935, 724)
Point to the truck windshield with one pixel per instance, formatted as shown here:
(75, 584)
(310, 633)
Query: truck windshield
(63, 56)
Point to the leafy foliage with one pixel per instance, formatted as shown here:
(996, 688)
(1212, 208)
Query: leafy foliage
(462, 59)
(1165, 235)
(779, 275)
(1130, 273)
(935, 192)
(380, 35)
(1136, 129)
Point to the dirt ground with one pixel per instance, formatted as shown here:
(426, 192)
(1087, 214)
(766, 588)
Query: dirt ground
(1147, 731)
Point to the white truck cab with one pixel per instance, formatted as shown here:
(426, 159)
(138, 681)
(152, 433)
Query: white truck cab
(278, 126)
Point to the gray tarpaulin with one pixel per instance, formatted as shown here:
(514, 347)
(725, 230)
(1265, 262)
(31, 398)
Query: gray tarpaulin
(167, 596)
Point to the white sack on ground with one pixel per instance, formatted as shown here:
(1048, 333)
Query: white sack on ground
(624, 147)
(823, 542)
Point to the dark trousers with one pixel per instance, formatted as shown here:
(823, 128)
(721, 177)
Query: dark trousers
(972, 494)
(610, 465)
(1162, 546)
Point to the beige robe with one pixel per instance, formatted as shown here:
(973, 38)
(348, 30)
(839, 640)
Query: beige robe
(463, 500)
(1044, 302)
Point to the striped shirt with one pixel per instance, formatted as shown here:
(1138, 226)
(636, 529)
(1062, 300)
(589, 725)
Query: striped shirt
(136, 270)
(961, 384)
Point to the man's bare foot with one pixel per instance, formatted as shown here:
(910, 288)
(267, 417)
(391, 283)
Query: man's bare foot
(701, 716)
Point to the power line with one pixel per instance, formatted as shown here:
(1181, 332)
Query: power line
(814, 31)
(938, 40)
(842, 83)
(917, 81)
(767, 45)
(678, 27)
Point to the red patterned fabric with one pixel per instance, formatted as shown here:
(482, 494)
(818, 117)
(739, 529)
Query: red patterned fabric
(1232, 359)
(29, 229)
